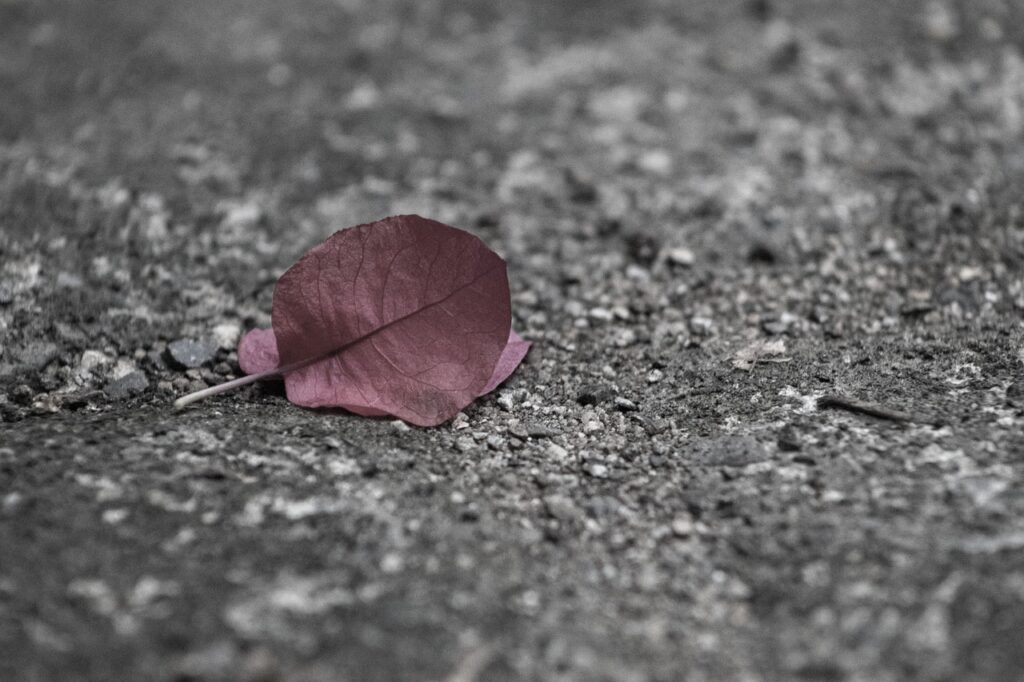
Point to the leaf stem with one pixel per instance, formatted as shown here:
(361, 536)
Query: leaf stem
(186, 400)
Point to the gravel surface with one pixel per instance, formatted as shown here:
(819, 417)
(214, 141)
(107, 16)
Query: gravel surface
(769, 253)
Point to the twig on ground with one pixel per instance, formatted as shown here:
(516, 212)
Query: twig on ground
(839, 402)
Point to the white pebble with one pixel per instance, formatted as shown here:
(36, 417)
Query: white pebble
(226, 335)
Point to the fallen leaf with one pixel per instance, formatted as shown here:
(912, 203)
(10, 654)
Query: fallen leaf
(404, 316)
(514, 352)
(257, 352)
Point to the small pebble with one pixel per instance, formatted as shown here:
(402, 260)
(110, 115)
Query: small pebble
(940, 21)
(656, 161)
(625, 405)
(592, 394)
(654, 376)
(682, 526)
(518, 429)
(560, 507)
(1015, 393)
(778, 325)
(22, 394)
(624, 337)
(681, 256)
(91, 359)
(789, 439)
(391, 563)
(540, 430)
(38, 354)
(11, 502)
(115, 516)
(701, 326)
(130, 384)
(191, 353)
(67, 280)
(557, 452)
(226, 335)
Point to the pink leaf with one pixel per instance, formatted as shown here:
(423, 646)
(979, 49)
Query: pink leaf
(404, 316)
(515, 351)
(257, 353)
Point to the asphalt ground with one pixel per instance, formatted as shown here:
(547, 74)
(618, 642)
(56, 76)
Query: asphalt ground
(771, 258)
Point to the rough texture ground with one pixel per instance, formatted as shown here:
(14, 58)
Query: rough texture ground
(714, 213)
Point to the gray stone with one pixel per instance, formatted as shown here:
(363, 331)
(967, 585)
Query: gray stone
(731, 451)
(561, 507)
(130, 384)
(191, 353)
(37, 355)
(625, 405)
(1015, 393)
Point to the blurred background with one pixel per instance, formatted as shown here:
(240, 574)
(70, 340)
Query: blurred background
(660, 112)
